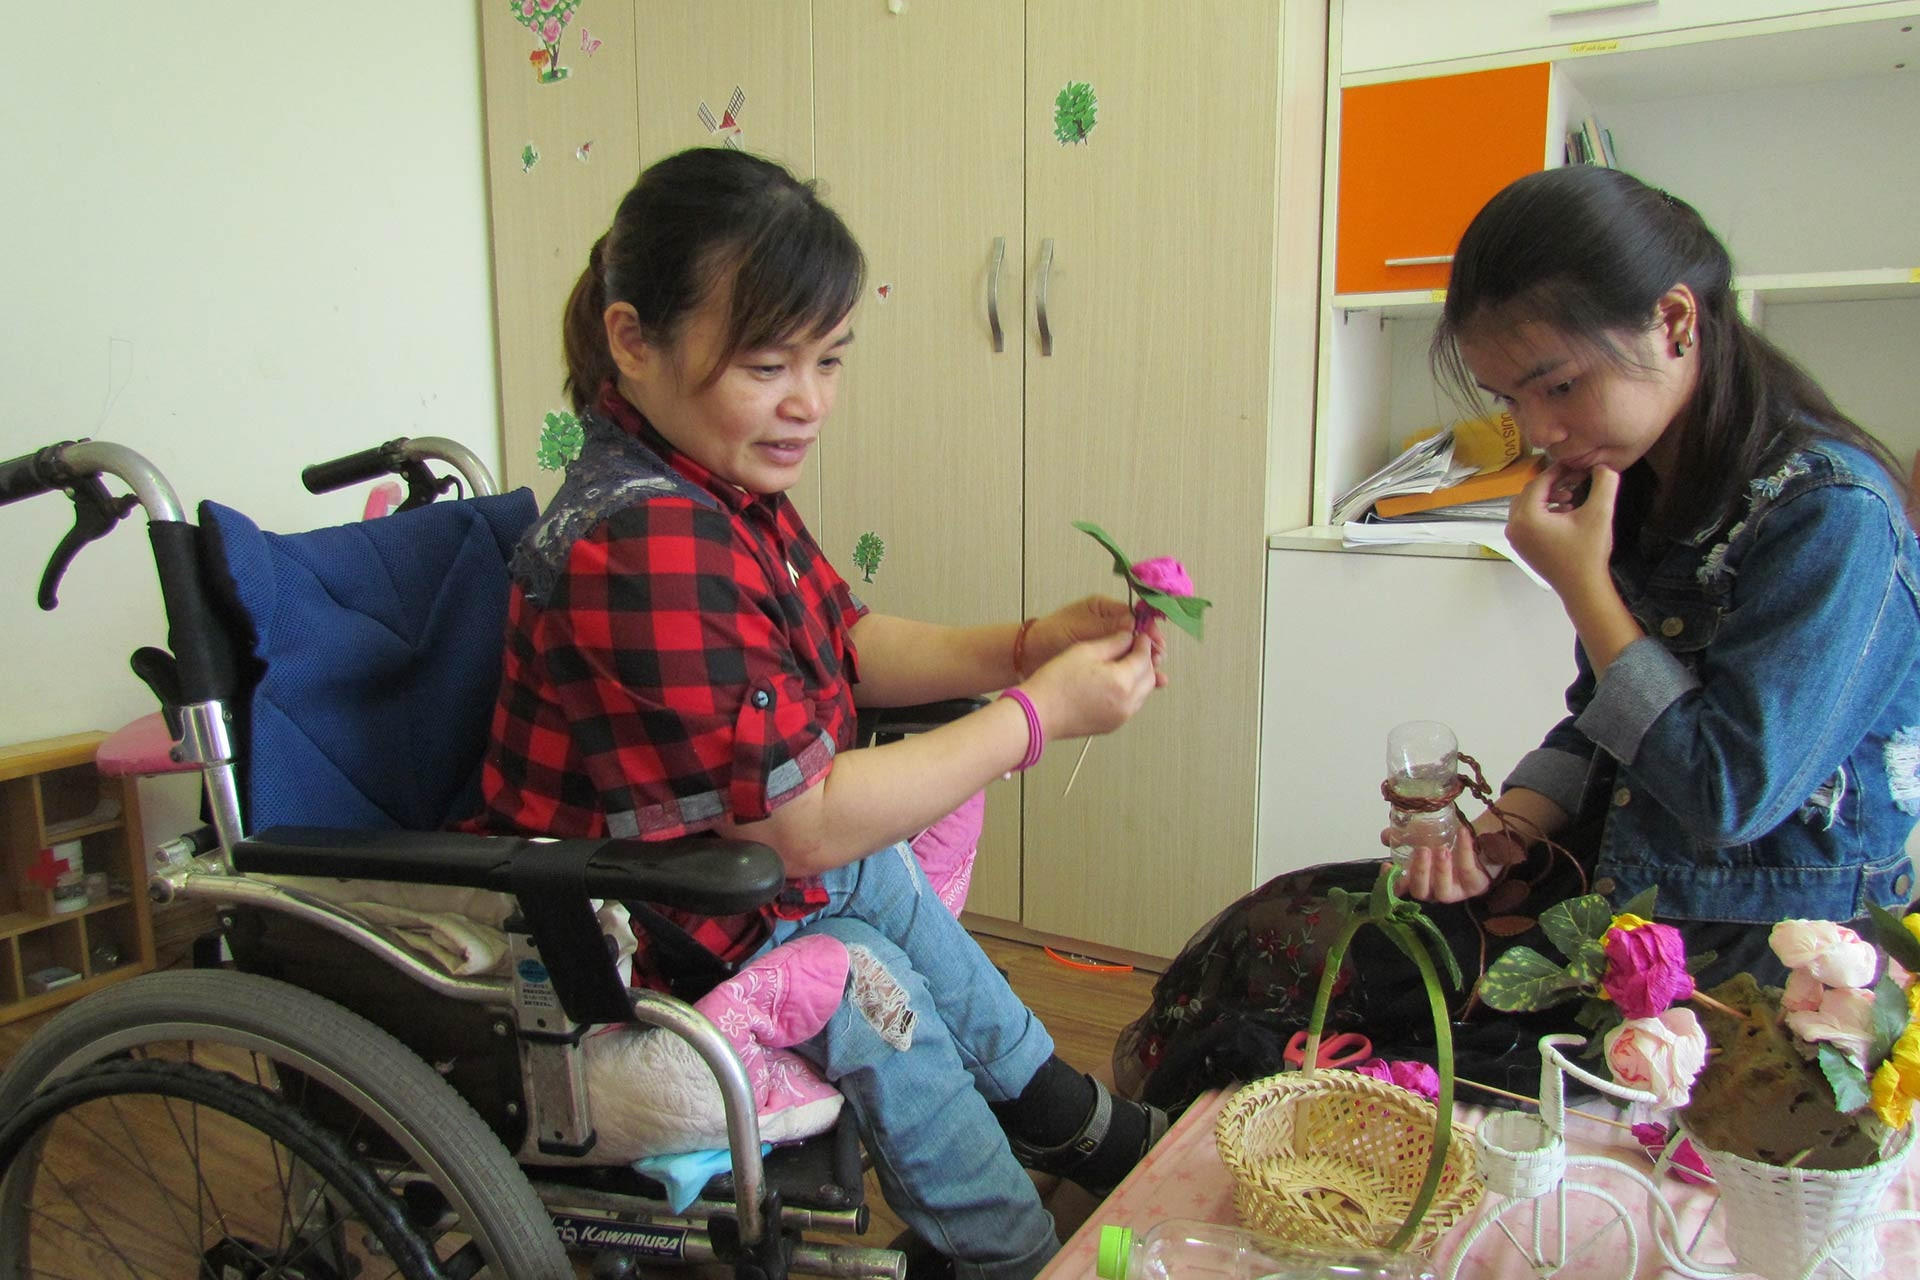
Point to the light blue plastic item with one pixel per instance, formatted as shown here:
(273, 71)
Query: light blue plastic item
(1183, 1249)
(684, 1175)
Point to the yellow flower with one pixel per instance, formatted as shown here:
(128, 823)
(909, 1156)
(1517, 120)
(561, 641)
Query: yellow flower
(1913, 997)
(1912, 924)
(1627, 922)
(1905, 1059)
(1890, 1102)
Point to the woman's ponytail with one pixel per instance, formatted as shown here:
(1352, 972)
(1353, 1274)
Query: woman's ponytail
(584, 334)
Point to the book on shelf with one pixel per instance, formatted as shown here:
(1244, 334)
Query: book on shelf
(1433, 459)
(1588, 143)
(1483, 495)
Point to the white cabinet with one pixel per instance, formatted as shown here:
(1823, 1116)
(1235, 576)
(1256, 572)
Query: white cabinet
(1381, 34)
(1358, 642)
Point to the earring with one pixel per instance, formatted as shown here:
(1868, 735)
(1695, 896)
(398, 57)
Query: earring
(1682, 343)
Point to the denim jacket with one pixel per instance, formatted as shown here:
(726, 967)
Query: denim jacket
(1757, 754)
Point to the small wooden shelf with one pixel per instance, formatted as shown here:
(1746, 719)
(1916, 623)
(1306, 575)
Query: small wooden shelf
(51, 793)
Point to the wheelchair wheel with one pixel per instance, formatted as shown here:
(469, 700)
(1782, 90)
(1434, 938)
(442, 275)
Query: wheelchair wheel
(166, 1168)
(391, 1109)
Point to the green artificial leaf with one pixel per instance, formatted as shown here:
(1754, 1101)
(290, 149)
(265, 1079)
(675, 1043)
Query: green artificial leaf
(1438, 942)
(1599, 1017)
(1697, 963)
(1849, 1082)
(1641, 903)
(1182, 611)
(1589, 963)
(1890, 1016)
(1894, 938)
(1571, 924)
(1522, 980)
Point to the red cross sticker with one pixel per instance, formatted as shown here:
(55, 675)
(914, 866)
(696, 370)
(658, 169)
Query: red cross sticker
(47, 871)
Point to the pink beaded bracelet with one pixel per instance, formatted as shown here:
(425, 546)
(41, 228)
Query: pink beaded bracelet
(1036, 740)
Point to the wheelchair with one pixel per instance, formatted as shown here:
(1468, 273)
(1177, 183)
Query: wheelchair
(331, 1105)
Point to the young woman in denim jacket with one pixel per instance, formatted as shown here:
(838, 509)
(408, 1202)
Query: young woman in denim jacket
(1743, 728)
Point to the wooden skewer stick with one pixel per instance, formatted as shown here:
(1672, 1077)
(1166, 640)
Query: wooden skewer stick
(1085, 747)
(1711, 1003)
(1519, 1097)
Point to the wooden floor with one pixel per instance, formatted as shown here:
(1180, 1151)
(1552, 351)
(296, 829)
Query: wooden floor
(1084, 1011)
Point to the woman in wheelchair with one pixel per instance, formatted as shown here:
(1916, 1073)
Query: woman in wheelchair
(681, 657)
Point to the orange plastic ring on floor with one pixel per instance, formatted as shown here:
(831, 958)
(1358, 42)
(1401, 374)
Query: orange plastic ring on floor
(1088, 965)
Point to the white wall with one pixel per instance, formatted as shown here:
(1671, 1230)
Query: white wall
(241, 237)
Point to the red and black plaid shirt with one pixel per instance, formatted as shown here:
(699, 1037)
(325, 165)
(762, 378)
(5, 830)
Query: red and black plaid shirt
(680, 657)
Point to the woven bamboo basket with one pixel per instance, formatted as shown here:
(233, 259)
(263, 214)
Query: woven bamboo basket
(1337, 1158)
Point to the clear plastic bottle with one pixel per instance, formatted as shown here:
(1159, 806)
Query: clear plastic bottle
(1423, 758)
(1182, 1248)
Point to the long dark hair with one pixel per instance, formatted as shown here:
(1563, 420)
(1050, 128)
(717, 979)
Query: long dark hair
(1589, 251)
(706, 218)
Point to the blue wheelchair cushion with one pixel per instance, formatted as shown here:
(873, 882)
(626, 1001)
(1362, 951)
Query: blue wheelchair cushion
(379, 648)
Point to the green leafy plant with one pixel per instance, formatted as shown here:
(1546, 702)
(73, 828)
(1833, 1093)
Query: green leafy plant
(1074, 112)
(867, 551)
(561, 440)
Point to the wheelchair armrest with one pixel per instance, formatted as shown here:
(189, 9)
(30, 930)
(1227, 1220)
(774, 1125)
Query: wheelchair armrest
(884, 724)
(698, 873)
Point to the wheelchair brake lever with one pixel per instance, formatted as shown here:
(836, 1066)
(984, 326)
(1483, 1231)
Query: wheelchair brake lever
(422, 487)
(95, 512)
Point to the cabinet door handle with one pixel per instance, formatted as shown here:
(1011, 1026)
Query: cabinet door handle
(1435, 260)
(1040, 306)
(1599, 6)
(993, 293)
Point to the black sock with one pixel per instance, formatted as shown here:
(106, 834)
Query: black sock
(1051, 1109)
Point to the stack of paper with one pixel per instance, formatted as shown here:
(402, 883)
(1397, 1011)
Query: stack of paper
(1421, 468)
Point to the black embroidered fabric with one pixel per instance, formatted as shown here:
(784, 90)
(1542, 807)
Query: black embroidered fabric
(1224, 1010)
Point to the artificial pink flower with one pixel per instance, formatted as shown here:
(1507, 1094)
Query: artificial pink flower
(550, 31)
(1833, 953)
(1803, 994)
(1686, 1164)
(1843, 1020)
(1646, 969)
(1659, 1055)
(1416, 1077)
(1164, 573)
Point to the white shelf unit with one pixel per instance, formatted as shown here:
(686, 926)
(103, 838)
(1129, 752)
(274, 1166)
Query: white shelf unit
(1794, 137)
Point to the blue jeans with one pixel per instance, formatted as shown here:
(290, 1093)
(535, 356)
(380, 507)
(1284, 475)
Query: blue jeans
(919, 1084)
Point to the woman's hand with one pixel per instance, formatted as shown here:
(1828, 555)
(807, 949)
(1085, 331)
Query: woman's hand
(1566, 537)
(1095, 686)
(1088, 619)
(1447, 875)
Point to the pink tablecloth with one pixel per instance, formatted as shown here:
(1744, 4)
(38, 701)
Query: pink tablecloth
(1183, 1178)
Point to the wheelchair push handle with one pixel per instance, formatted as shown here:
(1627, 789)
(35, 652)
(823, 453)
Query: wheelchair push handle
(75, 467)
(406, 458)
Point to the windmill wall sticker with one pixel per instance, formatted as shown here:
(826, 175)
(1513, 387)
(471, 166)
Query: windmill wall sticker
(729, 121)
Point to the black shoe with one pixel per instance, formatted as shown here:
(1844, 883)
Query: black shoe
(1070, 1160)
(924, 1262)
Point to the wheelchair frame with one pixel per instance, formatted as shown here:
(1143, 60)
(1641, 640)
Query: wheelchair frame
(755, 1232)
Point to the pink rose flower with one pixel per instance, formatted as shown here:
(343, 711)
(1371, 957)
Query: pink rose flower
(550, 31)
(1417, 1077)
(1164, 573)
(1659, 1055)
(1843, 1020)
(1646, 969)
(1833, 953)
(1803, 994)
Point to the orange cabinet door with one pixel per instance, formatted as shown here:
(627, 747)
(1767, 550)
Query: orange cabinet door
(1417, 160)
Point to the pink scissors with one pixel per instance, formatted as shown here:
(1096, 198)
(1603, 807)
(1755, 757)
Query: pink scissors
(1342, 1050)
